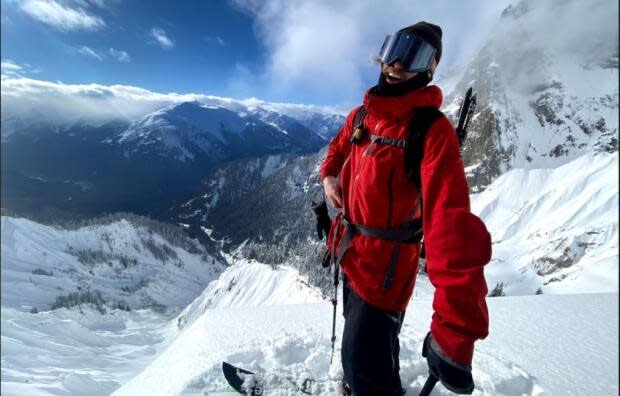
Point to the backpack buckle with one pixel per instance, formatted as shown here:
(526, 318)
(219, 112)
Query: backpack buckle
(358, 135)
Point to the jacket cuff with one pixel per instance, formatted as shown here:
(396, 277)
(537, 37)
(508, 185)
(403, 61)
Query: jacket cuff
(457, 348)
(324, 174)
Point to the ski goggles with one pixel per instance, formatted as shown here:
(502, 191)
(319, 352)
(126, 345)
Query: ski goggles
(414, 53)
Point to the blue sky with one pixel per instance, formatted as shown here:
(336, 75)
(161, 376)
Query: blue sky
(306, 51)
(207, 41)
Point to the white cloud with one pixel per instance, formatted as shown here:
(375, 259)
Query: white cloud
(89, 52)
(216, 39)
(22, 97)
(96, 3)
(10, 68)
(325, 47)
(119, 55)
(61, 16)
(162, 38)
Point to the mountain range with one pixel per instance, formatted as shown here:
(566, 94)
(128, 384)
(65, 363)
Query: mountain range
(144, 166)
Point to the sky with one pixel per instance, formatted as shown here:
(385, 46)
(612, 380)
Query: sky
(304, 51)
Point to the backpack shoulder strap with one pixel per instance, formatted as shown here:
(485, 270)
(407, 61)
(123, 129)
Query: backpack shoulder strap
(422, 120)
(358, 124)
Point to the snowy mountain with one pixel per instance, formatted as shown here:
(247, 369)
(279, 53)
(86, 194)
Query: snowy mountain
(547, 89)
(52, 171)
(121, 262)
(554, 230)
(325, 125)
(85, 308)
(190, 130)
(261, 209)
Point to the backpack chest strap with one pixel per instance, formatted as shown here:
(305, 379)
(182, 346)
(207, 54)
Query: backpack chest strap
(400, 143)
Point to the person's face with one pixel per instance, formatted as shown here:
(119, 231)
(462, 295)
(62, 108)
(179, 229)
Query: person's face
(394, 73)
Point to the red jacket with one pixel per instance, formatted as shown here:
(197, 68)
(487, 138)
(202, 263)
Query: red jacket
(376, 193)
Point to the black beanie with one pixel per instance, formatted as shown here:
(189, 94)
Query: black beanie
(429, 32)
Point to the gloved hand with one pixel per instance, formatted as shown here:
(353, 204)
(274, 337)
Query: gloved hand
(323, 222)
(454, 376)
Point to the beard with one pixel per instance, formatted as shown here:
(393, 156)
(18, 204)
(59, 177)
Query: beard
(384, 88)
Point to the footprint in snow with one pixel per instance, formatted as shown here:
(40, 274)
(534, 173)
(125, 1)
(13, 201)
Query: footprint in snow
(291, 358)
(493, 376)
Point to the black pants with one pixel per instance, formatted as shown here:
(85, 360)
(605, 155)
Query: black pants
(370, 347)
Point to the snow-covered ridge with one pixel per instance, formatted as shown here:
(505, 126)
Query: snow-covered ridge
(248, 283)
(62, 104)
(555, 230)
(191, 130)
(207, 119)
(128, 265)
(547, 94)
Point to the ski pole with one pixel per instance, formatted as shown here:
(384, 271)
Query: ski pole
(335, 304)
(429, 385)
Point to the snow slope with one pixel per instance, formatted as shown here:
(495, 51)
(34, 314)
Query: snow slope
(559, 345)
(78, 352)
(555, 230)
(136, 280)
(128, 264)
(251, 284)
(92, 349)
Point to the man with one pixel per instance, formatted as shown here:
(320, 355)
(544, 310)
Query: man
(364, 174)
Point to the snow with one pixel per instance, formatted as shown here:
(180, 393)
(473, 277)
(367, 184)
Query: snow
(67, 352)
(273, 164)
(72, 351)
(206, 118)
(559, 345)
(251, 284)
(564, 215)
(28, 247)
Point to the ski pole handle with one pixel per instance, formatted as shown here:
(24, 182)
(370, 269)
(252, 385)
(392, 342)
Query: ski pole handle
(429, 385)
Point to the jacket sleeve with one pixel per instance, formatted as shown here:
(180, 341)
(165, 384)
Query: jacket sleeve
(458, 246)
(339, 148)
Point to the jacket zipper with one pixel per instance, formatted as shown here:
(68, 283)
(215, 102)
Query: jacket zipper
(390, 198)
(367, 151)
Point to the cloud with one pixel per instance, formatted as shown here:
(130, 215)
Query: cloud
(89, 52)
(10, 68)
(242, 82)
(325, 47)
(119, 55)
(97, 3)
(162, 38)
(216, 39)
(61, 16)
(62, 103)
